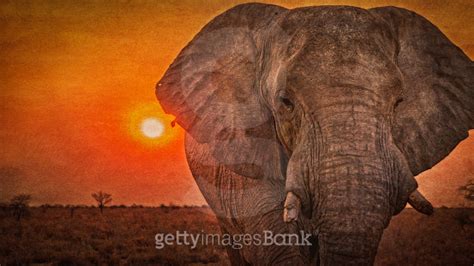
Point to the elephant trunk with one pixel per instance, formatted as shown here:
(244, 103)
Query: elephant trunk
(350, 188)
(352, 211)
(352, 240)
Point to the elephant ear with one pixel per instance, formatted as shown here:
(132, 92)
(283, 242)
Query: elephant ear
(212, 88)
(437, 109)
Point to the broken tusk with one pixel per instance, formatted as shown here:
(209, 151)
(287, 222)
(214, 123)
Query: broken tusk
(292, 208)
(420, 203)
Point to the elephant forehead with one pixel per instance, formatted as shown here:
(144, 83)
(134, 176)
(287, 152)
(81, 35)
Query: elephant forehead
(343, 22)
(337, 46)
(336, 33)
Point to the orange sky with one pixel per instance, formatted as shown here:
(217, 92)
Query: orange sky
(73, 73)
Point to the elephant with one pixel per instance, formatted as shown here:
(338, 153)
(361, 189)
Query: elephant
(316, 120)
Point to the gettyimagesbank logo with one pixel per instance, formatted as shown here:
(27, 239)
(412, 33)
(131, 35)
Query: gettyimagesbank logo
(236, 241)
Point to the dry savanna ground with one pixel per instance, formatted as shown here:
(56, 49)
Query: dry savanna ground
(125, 236)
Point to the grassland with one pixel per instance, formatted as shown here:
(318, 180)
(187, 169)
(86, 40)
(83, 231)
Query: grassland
(125, 236)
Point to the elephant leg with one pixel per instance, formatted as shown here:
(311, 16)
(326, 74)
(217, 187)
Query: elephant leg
(273, 254)
(234, 255)
(246, 206)
(255, 207)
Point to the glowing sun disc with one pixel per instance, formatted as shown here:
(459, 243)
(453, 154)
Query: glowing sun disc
(152, 128)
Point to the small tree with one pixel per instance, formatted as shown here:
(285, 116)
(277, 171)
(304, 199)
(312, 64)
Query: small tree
(72, 208)
(20, 205)
(102, 199)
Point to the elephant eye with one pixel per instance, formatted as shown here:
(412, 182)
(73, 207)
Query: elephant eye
(397, 103)
(287, 103)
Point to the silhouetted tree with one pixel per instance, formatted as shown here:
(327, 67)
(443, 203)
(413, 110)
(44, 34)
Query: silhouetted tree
(71, 210)
(20, 205)
(102, 199)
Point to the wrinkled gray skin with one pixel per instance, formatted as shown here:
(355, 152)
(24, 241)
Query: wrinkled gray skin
(317, 119)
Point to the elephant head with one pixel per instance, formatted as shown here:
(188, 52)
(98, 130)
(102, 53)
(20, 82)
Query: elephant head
(343, 103)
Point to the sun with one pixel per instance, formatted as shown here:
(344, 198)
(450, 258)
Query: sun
(149, 125)
(152, 127)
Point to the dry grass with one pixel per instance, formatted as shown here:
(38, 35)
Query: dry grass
(124, 236)
(445, 238)
(119, 236)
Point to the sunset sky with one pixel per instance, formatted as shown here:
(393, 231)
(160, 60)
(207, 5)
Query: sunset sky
(77, 82)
